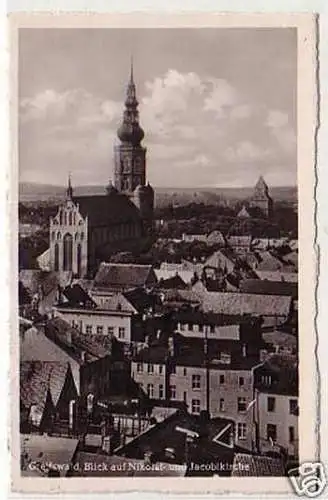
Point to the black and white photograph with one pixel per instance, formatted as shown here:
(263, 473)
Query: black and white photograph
(158, 252)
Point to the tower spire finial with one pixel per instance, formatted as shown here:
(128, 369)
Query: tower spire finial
(131, 69)
(69, 190)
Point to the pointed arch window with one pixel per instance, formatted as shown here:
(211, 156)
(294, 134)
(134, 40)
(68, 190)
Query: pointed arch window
(70, 218)
(61, 217)
(79, 258)
(76, 236)
(68, 252)
(58, 236)
(56, 257)
(53, 235)
(82, 236)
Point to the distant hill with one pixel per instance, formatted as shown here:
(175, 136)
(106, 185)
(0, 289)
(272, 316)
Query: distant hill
(212, 195)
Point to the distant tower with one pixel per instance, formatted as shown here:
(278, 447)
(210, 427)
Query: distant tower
(130, 157)
(69, 237)
(261, 198)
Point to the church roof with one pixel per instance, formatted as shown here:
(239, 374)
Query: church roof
(113, 208)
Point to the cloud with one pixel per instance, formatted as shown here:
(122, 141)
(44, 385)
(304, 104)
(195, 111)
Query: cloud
(278, 124)
(277, 119)
(241, 112)
(75, 106)
(199, 130)
(246, 152)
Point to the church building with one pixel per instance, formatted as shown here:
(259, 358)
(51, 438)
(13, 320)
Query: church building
(88, 229)
(261, 198)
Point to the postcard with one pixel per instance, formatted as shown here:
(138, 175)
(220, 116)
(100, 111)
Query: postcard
(162, 207)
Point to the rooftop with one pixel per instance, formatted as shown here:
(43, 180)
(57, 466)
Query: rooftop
(266, 287)
(123, 275)
(110, 209)
(37, 379)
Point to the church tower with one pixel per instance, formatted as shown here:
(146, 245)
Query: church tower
(69, 237)
(130, 157)
(261, 198)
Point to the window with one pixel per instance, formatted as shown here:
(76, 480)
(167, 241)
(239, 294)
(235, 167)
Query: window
(68, 252)
(100, 330)
(271, 403)
(161, 391)
(88, 329)
(291, 432)
(221, 404)
(195, 406)
(241, 430)
(53, 235)
(110, 331)
(212, 329)
(225, 358)
(190, 327)
(200, 328)
(139, 367)
(121, 332)
(221, 379)
(185, 397)
(150, 390)
(185, 372)
(173, 369)
(150, 368)
(195, 381)
(293, 407)
(241, 404)
(160, 368)
(182, 327)
(173, 392)
(241, 381)
(271, 432)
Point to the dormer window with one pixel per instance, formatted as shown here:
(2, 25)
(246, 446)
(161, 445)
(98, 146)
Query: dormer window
(225, 358)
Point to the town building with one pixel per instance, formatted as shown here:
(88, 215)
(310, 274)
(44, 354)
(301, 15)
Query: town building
(88, 229)
(121, 278)
(211, 375)
(277, 407)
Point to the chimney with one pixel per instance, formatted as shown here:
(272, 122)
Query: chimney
(83, 353)
(171, 347)
(244, 350)
(69, 336)
(147, 340)
(72, 414)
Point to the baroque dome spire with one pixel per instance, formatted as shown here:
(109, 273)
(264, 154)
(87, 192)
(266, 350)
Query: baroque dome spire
(130, 131)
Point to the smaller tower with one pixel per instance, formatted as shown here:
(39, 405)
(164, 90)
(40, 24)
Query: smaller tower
(261, 198)
(69, 237)
(143, 198)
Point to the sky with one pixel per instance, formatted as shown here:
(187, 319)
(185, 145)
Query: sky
(218, 105)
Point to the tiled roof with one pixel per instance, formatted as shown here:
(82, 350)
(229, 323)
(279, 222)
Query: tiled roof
(35, 280)
(171, 434)
(77, 296)
(172, 282)
(266, 287)
(244, 241)
(254, 465)
(45, 450)
(123, 275)
(104, 210)
(267, 261)
(233, 303)
(75, 343)
(189, 351)
(280, 338)
(39, 377)
(209, 318)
